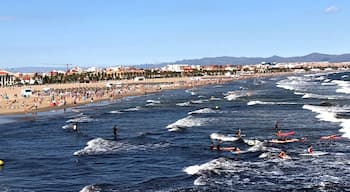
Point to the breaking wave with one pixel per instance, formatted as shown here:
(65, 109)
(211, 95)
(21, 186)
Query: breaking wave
(187, 122)
(99, 146)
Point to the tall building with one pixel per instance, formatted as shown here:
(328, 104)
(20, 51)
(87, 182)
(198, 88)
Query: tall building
(6, 79)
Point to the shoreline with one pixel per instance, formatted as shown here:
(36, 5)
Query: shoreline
(80, 94)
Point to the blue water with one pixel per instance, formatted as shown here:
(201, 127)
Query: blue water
(161, 147)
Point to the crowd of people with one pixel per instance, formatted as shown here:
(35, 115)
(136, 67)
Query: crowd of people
(47, 97)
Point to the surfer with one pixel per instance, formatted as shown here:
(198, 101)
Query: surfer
(115, 129)
(212, 146)
(310, 149)
(238, 133)
(75, 126)
(279, 132)
(282, 155)
(218, 146)
(277, 126)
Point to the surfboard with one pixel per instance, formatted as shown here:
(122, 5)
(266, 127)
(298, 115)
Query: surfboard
(283, 141)
(285, 134)
(315, 153)
(285, 157)
(218, 136)
(330, 137)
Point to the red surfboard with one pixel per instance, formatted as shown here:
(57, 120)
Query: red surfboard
(285, 134)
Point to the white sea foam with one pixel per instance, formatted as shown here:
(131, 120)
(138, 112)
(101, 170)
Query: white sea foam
(221, 137)
(82, 119)
(344, 86)
(328, 83)
(91, 188)
(329, 114)
(67, 126)
(115, 112)
(137, 108)
(199, 101)
(212, 98)
(295, 83)
(233, 95)
(191, 92)
(100, 146)
(230, 172)
(187, 122)
(299, 93)
(317, 96)
(270, 103)
(153, 101)
(184, 104)
(202, 111)
(211, 165)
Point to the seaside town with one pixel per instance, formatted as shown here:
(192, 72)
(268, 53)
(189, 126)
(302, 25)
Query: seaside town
(31, 92)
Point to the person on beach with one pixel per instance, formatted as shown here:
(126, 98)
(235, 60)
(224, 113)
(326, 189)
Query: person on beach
(115, 129)
(75, 126)
(310, 149)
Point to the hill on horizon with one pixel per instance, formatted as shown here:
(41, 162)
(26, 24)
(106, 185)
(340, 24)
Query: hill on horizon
(313, 57)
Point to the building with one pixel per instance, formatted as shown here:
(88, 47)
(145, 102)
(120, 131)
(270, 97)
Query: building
(6, 79)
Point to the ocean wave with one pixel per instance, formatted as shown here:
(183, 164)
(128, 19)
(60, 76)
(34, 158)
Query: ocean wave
(187, 122)
(99, 146)
(317, 96)
(115, 112)
(199, 101)
(67, 126)
(184, 104)
(191, 92)
(295, 83)
(153, 101)
(137, 108)
(212, 98)
(221, 137)
(270, 103)
(330, 114)
(344, 86)
(91, 188)
(209, 166)
(269, 174)
(234, 95)
(202, 111)
(82, 119)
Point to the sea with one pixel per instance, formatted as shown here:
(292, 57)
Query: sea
(163, 140)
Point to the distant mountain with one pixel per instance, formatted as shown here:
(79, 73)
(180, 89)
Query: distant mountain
(255, 60)
(216, 61)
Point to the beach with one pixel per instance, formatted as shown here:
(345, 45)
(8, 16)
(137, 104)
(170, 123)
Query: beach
(57, 96)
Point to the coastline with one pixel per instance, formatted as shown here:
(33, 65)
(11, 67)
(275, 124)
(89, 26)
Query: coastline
(72, 95)
(78, 94)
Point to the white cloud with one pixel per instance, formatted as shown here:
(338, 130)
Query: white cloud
(7, 18)
(331, 9)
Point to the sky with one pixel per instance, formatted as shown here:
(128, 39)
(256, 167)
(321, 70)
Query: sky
(131, 32)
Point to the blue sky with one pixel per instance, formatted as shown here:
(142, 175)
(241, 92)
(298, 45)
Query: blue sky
(131, 32)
